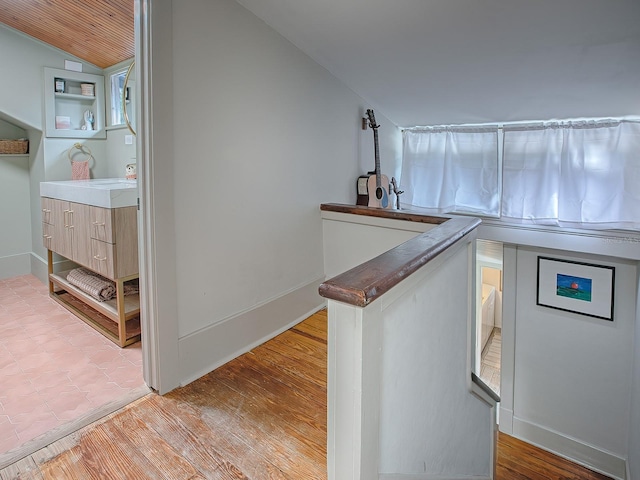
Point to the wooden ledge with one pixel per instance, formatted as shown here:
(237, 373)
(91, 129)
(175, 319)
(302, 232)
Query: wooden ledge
(368, 281)
(406, 215)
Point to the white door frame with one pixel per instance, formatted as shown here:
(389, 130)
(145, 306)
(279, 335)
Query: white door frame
(154, 143)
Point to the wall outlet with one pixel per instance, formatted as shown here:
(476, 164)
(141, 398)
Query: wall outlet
(128, 139)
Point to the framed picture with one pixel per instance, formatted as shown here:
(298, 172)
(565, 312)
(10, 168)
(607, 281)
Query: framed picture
(576, 287)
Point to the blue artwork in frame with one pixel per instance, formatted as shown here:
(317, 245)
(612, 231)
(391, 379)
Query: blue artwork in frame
(577, 287)
(574, 287)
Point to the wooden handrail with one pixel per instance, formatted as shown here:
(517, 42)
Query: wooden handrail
(368, 281)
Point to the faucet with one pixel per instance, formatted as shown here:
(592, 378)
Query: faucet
(396, 191)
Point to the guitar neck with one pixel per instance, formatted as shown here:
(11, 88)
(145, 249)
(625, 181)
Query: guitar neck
(377, 155)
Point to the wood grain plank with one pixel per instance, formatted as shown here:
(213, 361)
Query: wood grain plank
(520, 460)
(262, 429)
(262, 416)
(218, 433)
(105, 453)
(153, 447)
(180, 424)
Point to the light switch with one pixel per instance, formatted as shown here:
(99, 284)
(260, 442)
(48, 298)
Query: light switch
(128, 139)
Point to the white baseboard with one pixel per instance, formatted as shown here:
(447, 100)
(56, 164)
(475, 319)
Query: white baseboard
(15, 265)
(207, 349)
(581, 453)
(425, 476)
(39, 267)
(505, 422)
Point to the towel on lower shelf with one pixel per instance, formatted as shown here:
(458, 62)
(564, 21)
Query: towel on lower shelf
(93, 284)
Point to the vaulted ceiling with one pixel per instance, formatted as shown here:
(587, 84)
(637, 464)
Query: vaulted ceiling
(100, 32)
(424, 62)
(421, 62)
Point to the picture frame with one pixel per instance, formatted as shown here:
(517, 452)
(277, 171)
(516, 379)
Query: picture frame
(577, 287)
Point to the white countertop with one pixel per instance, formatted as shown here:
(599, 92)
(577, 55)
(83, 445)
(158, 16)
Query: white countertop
(100, 192)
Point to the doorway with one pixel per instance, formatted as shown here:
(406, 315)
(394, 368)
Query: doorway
(489, 266)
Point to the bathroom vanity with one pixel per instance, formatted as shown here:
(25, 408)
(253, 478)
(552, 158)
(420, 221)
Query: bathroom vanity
(93, 223)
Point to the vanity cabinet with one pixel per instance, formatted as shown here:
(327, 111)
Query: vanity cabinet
(67, 96)
(104, 240)
(66, 229)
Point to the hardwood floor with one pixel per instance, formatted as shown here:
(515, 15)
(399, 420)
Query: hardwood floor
(261, 416)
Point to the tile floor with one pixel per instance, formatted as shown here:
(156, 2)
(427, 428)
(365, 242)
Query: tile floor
(490, 368)
(54, 368)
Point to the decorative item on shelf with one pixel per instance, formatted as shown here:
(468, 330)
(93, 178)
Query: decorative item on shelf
(63, 122)
(14, 147)
(59, 85)
(398, 192)
(88, 120)
(377, 184)
(130, 172)
(88, 89)
(80, 170)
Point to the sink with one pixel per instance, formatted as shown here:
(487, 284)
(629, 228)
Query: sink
(100, 192)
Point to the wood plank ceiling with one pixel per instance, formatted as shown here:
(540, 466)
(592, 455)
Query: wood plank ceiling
(98, 31)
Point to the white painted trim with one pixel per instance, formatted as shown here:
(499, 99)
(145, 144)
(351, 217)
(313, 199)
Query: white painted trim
(574, 450)
(391, 223)
(39, 267)
(15, 265)
(394, 476)
(154, 144)
(508, 354)
(506, 420)
(599, 242)
(205, 350)
(353, 390)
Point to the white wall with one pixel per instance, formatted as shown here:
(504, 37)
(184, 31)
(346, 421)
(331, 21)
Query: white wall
(21, 102)
(572, 374)
(634, 417)
(260, 135)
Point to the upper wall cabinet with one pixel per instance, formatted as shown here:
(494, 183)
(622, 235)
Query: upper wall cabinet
(74, 104)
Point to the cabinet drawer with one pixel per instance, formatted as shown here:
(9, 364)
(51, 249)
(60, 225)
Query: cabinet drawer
(102, 224)
(103, 258)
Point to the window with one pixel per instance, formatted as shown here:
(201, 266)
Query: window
(575, 173)
(451, 169)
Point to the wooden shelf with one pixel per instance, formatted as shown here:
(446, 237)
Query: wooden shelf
(103, 316)
(108, 308)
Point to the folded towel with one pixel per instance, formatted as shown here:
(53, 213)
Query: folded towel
(93, 284)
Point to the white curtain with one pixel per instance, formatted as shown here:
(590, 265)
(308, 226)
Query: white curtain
(451, 169)
(574, 174)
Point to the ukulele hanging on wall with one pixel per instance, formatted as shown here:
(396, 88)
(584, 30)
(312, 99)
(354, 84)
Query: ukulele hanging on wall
(377, 184)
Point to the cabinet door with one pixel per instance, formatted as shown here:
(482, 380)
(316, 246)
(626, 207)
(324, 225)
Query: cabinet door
(47, 235)
(61, 241)
(80, 230)
(47, 209)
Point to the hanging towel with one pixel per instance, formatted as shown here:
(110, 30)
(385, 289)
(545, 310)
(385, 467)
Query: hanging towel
(93, 284)
(80, 170)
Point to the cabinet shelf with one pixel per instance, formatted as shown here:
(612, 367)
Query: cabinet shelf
(76, 96)
(103, 316)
